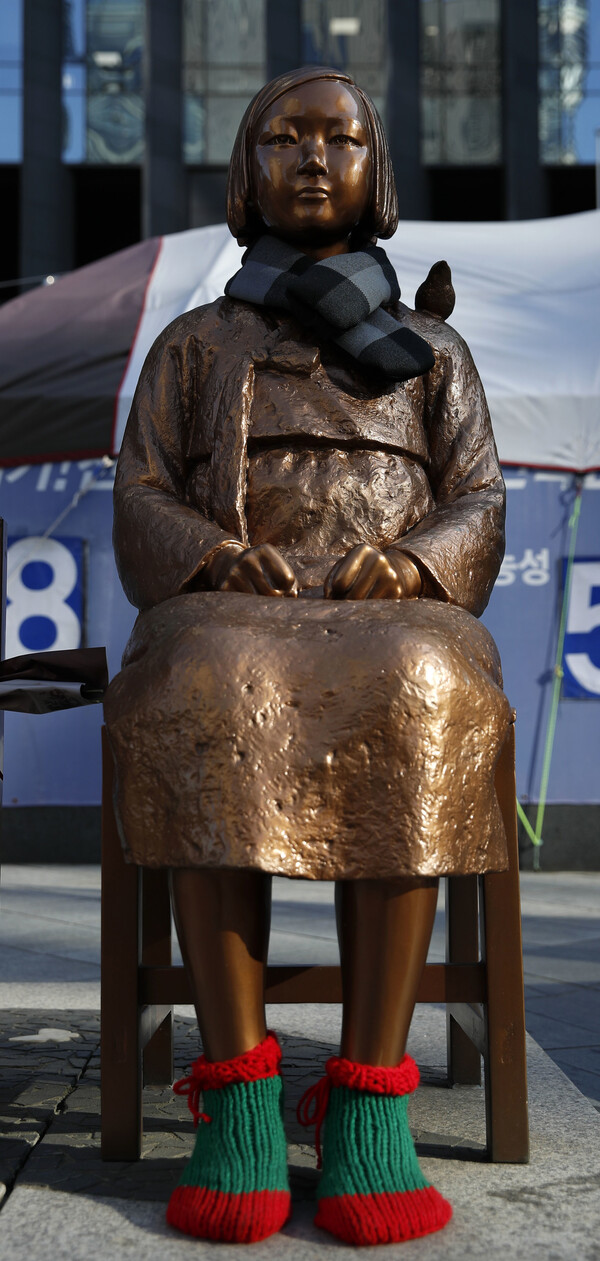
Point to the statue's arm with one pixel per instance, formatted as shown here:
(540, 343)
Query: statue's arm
(459, 547)
(161, 544)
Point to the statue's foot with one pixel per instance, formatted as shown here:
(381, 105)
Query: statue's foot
(235, 1188)
(372, 1190)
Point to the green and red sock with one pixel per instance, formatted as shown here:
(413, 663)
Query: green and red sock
(235, 1187)
(372, 1189)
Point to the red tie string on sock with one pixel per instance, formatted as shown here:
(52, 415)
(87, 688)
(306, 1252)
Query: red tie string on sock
(261, 1061)
(312, 1108)
(192, 1087)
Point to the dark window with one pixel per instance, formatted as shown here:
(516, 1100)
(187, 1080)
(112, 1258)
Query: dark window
(461, 82)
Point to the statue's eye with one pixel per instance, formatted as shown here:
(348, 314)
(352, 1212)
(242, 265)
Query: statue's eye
(282, 138)
(343, 139)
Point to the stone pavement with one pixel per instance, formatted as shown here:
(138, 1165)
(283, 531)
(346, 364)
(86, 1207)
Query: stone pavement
(63, 1202)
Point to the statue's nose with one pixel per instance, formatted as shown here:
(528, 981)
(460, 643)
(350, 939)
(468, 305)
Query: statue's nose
(313, 159)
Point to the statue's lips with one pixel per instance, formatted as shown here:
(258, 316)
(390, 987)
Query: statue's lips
(313, 193)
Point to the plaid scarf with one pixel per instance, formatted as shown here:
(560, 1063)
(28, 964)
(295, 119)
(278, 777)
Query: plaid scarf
(339, 299)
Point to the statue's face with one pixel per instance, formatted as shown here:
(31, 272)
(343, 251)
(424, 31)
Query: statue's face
(311, 166)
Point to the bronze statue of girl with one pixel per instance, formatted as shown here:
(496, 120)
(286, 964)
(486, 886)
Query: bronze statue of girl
(308, 437)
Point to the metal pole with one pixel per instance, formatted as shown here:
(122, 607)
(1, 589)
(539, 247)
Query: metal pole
(404, 108)
(284, 36)
(525, 186)
(45, 208)
(164, 183)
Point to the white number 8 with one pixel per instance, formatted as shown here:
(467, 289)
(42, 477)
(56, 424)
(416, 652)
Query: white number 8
(49, 602)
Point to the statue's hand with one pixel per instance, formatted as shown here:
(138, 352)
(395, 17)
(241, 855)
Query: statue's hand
(365, 573)
(259, 570)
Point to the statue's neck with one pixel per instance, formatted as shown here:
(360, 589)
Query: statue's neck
(318, 252)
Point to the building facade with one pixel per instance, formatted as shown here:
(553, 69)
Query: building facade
(117, 117)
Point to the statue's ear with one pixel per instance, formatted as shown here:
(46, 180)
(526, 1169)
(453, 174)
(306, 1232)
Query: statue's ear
(436, 295)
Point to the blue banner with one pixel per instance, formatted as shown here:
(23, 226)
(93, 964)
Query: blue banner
(55, 759)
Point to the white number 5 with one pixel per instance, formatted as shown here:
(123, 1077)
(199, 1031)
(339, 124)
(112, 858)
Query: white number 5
(583, 617)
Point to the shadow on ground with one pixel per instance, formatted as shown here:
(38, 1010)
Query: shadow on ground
(51, 1092)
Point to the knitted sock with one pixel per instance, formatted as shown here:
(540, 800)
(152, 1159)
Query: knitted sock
(235, 1187)
(372, 1190)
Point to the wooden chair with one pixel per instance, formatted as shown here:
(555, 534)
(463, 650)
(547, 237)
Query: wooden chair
(481, 987)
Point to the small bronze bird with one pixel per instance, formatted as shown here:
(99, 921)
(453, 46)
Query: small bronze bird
(436, 295)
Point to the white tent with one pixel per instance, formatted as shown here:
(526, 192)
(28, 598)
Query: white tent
(528, 304)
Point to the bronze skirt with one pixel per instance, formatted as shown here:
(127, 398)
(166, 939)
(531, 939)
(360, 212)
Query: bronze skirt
(310, 738)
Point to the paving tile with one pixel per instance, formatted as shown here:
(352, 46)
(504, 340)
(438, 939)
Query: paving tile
(547, 989)
(73, 906)
(585, 946)
(559, 890)
(587, 1082)
(312, 891)
(544, 985)
(582, 1057)
(291, 948)
(39, 996)
(80, 877)
(552, 1033)
(549, 932)
(25, 965)
(578, 1007)
(304, 918)
(567, 971)
(532, 991)
(49, 937)
(39, 981)
(37, 1076)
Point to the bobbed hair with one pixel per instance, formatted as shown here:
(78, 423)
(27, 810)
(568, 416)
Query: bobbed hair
(381, 218)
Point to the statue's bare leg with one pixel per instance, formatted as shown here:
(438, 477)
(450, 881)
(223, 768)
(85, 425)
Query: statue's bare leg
(223, 920)
(235, 1186)
(372, 1188)
(384, 929)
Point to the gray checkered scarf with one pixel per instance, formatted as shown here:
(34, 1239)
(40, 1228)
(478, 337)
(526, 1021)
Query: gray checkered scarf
(339, 299)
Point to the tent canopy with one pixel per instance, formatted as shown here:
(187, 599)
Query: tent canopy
(528, 297)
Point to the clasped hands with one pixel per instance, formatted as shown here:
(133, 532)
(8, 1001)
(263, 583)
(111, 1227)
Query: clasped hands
(364, 573)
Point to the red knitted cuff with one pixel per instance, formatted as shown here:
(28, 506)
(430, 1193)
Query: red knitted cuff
(262, 1061)
(401, 1080)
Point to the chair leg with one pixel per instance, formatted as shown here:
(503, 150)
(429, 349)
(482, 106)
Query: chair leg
(156, 952)
(505, 1068)
(120, 1051)
(462, 946)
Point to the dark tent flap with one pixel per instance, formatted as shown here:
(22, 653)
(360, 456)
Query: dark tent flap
(63, 351)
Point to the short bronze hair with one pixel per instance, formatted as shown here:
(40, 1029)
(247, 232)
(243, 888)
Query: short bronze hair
(381, 219)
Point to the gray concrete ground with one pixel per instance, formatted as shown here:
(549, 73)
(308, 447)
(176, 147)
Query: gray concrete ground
(63, 1202)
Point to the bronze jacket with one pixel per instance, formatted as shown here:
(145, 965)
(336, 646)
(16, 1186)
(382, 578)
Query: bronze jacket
(182, 476)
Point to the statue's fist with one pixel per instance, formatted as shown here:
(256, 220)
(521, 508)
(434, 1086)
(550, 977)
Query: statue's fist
(407, 573)
(365, 573)
(259, 570)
